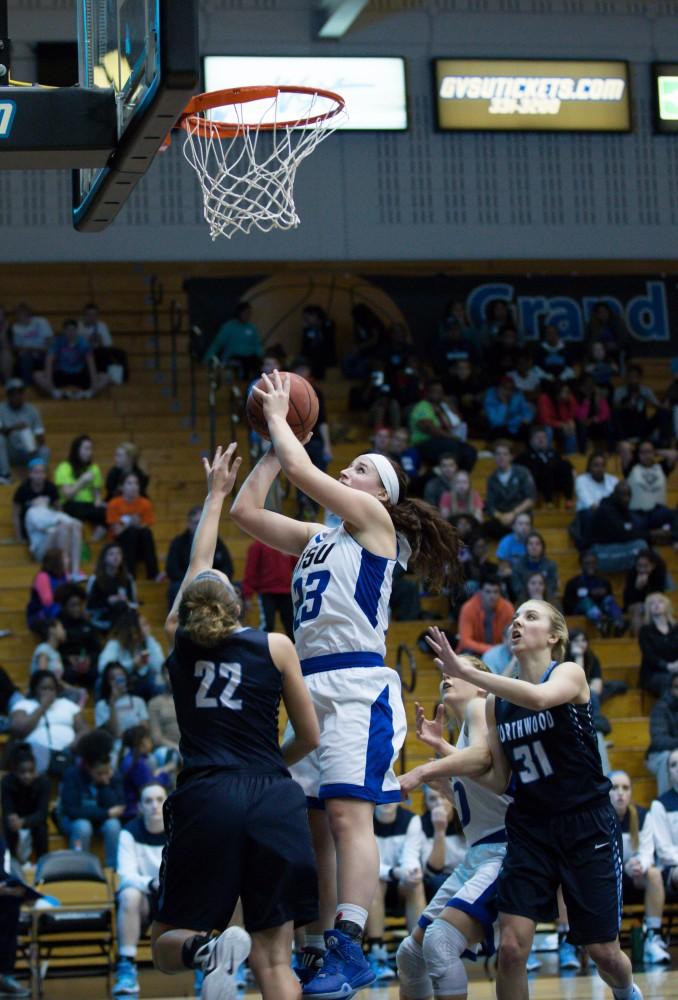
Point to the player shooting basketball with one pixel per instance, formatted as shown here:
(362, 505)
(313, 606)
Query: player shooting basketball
(341, 589)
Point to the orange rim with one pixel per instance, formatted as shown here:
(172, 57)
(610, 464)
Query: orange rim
(192, 122)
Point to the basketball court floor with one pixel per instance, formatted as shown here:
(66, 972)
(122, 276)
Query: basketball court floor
(661, 984)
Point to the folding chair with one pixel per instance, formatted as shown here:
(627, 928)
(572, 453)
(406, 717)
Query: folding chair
(76, 937)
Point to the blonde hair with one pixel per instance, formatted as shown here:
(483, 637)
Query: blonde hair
(558, 625)
(130, 450)
(668, 609)
(476, 662)
(209, 609)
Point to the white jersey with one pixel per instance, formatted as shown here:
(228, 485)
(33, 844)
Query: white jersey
(482, 813)
(341, 593)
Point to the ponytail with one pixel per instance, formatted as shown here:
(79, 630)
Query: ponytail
(433, 540)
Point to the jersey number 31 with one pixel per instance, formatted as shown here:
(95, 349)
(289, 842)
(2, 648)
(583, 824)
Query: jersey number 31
(232, 672)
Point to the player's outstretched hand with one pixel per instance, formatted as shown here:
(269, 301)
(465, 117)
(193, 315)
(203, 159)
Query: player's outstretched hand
(222, 473)
(410, 781)
(275, 396)
(430, 731)
(446, 659)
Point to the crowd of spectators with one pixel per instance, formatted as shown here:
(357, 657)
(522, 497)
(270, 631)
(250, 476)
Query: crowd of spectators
(533, 405)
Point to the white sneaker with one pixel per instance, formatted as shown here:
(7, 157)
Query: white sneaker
(220, 959)
(655, 951)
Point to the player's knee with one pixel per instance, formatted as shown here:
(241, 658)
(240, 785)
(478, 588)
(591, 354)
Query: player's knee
(414, 979)
(443, 947)
(654, 876)
(129, 900)
(606, 956)
(513, 950)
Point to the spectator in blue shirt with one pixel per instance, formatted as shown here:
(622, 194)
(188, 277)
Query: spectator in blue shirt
(506, 410)
(69, 370)
(512, 546)
(238, 341)
(92, 797)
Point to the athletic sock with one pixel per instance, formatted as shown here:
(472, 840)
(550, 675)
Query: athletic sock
(350, 920)
(653, 923)
(623, 992)
(373, 943)
(314, 941)
(191, 947)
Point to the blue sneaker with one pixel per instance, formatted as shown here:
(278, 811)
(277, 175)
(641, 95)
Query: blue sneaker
(344, 971)
(567, 956)
(198, 976)
(378, 962)
(126, 982)
(636, 995)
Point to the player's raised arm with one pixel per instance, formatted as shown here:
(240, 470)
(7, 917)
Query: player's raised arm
(567, 684)
(221, 475)
(361, 509)
(249, 510)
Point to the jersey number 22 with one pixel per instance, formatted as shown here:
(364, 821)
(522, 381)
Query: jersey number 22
(209, 672)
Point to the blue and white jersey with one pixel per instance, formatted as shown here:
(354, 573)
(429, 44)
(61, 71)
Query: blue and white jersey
(341, 593)
(482, 813)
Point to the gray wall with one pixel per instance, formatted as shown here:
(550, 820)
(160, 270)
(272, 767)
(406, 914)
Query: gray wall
(418, 195)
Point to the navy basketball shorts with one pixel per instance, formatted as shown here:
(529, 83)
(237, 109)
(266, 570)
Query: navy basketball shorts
(237, 835)
(580, 851)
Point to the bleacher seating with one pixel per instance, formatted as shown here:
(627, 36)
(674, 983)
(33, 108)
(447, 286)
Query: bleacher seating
(145, 412)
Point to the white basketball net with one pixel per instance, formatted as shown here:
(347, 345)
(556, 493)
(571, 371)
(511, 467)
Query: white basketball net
(247, 180)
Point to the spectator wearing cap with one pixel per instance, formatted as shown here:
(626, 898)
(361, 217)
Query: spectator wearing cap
(69, 369)
(31, 337)
(22, 432)
(38, 519)
(507, 412)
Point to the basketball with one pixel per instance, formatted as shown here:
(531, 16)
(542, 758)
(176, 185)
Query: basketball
(301, 416)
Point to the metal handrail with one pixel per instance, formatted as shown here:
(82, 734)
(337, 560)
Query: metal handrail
(176, 316)
(405, 651)
(409, 685)
(156, 295)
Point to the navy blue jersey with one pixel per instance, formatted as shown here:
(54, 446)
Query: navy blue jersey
(227, 699)
(553, 755)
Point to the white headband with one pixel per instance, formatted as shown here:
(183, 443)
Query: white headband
(386, 473)
(389, 480)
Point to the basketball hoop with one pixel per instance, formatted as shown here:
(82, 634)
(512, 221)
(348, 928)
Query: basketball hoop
(246, 163)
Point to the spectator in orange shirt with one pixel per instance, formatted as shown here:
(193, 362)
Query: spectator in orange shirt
(129, 518)
(268, 573)
(483, 618)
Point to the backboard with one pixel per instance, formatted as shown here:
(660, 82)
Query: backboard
(146, 52)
